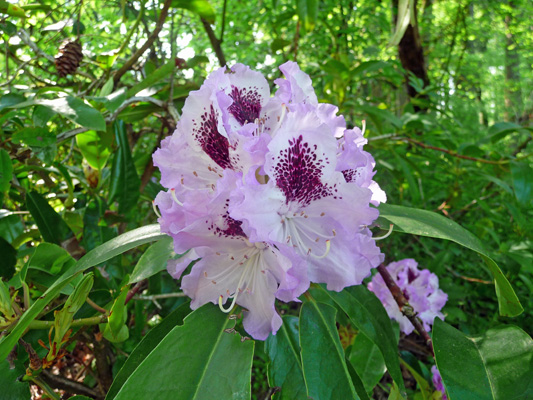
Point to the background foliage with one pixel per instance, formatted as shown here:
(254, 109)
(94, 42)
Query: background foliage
(451, 133)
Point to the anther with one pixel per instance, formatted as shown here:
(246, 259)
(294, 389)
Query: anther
(385, 235)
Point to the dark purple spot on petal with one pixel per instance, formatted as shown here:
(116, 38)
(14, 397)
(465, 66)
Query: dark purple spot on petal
(246, 104)
(298, 172)
(211, 141)
(411, 275)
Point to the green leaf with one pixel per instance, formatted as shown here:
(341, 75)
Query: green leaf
(367, 314)
(152, 79)
(496, 365)
(41, 115)
(279, 44)
(501, 129)
(71, 108)
(357, 382)
(41, 141)
(8, 260)
(307, 14)
(426, 223)
(12, 388)
(11, 9)
(367, 360)
(201, 7)
(145, 347)
(6, 171)
(117, 317)
(96, 256)
(125, 183)
(52, 227)
(153, 260)
(285, 367)
(95, 147)
(522, 182)
(11, 99)
(199, 360)
(137, 112)
(323, 360)
(107, 88)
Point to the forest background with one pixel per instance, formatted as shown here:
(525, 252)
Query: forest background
(445, 89)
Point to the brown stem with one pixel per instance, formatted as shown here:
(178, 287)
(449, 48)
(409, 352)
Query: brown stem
(127, 65)
(215, 43)
(73, 387)
(405, 308)
(453, 153)
(139, 287)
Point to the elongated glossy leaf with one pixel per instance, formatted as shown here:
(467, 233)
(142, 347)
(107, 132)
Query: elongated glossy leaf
(198, 360)
(285, 367)
(367, 360)
(426, 223)
(323, 360)
(71, 108)
(6, 171)
(153, 260)
(357, 382)
(125, 182)
(50, 224)
(368, 315)
(152, 79)
(496, 365)
(145, 347)
(96, 256)
(523, 182)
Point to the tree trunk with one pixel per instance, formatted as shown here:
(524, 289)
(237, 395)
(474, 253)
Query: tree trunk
(412, 58)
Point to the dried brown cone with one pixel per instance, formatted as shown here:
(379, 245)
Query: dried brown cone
(69, 58)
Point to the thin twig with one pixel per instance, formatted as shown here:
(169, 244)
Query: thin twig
(215, 43)
(73, 387)
(453, 153)
(159, 25)
(25, 37)
(405, 308)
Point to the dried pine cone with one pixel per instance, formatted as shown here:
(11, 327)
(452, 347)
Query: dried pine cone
(69, 58)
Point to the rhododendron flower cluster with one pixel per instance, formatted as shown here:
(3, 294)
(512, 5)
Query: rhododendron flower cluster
(267, 193)
(421, 289)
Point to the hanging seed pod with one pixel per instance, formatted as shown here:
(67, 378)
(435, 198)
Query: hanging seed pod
(69, 58)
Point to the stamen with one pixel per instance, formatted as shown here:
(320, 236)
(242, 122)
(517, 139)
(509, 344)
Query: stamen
(363, 122)
(249, 261)
(385, 235)
(328, 247)
(221, 306)
(173, 194)
(156, 211)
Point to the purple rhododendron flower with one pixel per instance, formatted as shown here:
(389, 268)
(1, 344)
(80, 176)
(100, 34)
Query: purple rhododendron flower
(437, 382)
(421, 289)
(266, 193)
